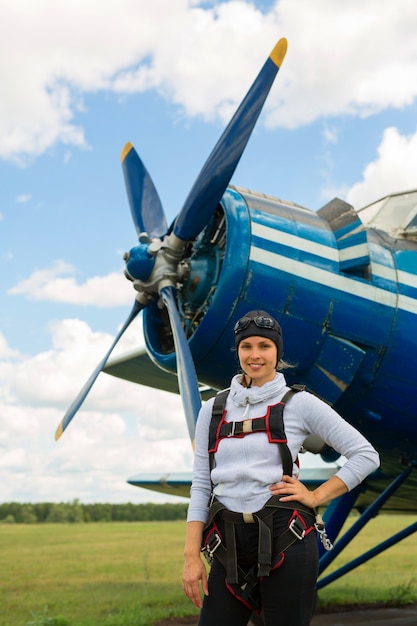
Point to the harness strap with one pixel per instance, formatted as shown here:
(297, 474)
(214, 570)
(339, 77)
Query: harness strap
(238, 429)
(265, 546)
(286, 457)
(246, 581)
(269, 550)
(265, 533)
(231, 560)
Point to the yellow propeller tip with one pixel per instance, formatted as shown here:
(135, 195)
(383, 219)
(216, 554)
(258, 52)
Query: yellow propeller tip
(127, 148)
(278, 53)
(58, 432)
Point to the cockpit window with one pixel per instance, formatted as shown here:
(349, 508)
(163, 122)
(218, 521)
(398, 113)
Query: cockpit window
(396, 214)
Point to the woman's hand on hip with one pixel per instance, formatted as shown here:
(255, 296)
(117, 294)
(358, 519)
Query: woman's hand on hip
(291, 489)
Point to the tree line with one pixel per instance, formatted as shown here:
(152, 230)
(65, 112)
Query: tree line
(75, 512)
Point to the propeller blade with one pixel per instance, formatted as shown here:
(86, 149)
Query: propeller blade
(137, 307)
(187, 377)
(215, 175)
(145, 204)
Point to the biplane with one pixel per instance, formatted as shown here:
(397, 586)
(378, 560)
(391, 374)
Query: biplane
(341, 282)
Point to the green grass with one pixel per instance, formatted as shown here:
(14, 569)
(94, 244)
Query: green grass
(129, 574)
(89, 574)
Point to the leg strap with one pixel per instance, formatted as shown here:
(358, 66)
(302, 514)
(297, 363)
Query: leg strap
(269, 550)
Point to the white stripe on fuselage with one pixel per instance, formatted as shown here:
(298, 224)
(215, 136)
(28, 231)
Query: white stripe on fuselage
(353, 286)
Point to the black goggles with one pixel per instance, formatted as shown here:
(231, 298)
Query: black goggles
(260, 321)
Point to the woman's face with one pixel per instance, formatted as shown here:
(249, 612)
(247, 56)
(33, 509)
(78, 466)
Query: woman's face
(258, 359)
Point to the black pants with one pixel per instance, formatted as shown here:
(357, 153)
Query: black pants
(288, 593)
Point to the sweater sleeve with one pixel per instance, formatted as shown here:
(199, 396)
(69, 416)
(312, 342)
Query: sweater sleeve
(201, 485)
(320, 419)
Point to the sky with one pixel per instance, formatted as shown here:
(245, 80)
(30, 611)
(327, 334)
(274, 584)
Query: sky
(77, 81)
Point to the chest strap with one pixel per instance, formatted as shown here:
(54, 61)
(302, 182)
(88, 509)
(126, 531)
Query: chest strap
(272, 424)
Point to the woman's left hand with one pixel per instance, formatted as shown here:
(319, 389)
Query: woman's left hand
(290, 489)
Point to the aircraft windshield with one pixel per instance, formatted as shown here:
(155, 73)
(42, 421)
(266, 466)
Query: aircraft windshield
(396, 214)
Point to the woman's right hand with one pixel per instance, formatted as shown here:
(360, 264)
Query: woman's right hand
(194, 571)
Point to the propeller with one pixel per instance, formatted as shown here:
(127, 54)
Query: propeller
(137, 307)
(216, 173)
(153, 264)
(145, 205)
(187, 377)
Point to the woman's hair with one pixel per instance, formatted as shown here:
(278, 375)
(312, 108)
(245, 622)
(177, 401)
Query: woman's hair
(284, 365)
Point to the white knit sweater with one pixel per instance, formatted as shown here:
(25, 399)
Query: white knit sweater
(245, 467)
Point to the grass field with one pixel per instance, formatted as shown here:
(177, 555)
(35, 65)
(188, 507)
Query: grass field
(129, 574)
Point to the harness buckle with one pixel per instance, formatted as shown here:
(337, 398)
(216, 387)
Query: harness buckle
(212, 544)
(232, 431)
(297, 529)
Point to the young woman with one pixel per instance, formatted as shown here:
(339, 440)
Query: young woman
(257, 518)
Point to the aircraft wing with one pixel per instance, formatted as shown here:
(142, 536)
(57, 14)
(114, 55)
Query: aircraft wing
(179, 483)
(139, 368)
(171, 483)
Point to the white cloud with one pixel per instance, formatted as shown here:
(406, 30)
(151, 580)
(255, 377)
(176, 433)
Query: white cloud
(393, 171)
(23, 198)
(5, 351)
(62, 51)
(54, 377)
(105, 443)
(13, 459)
(330, 133)
(357, 59)
(58, 284)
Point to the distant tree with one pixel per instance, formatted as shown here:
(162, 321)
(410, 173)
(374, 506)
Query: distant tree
(28, 515)
(75, 512)
(58, 514)
(42, 510)
(98, 512)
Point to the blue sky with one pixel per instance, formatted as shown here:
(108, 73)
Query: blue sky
(80, 81)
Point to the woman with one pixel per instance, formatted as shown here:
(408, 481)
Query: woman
(261, 531)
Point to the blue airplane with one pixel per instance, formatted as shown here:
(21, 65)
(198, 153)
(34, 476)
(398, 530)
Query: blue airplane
(342, 284)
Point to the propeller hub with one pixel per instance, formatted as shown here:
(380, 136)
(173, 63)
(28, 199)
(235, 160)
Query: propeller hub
(139, 262)
(155, 265)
